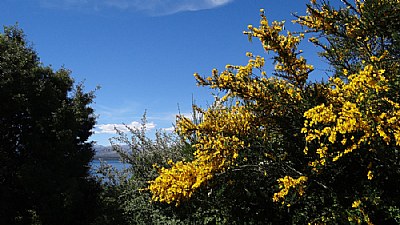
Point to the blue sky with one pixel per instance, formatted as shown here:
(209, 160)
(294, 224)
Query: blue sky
(143, 53)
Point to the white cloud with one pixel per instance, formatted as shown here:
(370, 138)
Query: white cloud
(110, 128)
(152, 7)
(169, 129)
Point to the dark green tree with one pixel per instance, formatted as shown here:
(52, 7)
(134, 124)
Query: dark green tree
(45, 123)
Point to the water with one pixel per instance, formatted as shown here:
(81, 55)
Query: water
(95, 164)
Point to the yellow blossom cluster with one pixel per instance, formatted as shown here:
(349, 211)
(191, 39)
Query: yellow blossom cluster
(358, 112)
(218, 142)
(240, 81)
(288, 182)
(288, 64)
(342, 22)
(353, 28)
(325, 19)
(362, 217)
(319, 19)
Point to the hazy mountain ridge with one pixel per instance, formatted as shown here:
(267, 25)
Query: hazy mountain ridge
(104, 152)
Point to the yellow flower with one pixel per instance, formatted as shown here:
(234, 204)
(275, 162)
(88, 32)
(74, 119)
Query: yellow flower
(288, 182)
(370, 175)
(356, 204)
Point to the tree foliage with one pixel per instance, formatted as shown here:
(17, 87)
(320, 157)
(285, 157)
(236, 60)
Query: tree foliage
(45, 123)
(282, 150)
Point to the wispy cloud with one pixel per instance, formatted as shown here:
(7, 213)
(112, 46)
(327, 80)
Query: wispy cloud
(169, 129)
(151, 7)
(110, 128)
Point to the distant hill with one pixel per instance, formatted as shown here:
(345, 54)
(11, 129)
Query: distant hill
(104, 152)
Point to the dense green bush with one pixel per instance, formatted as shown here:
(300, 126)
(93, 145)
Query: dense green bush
(124, 198)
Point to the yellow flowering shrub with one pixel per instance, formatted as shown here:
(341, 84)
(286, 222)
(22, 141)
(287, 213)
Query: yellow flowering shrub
(222, 133)
(218, 143)
(308, 141)
(353, 116)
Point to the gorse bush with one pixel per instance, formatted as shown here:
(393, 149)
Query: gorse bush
(291, 151)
